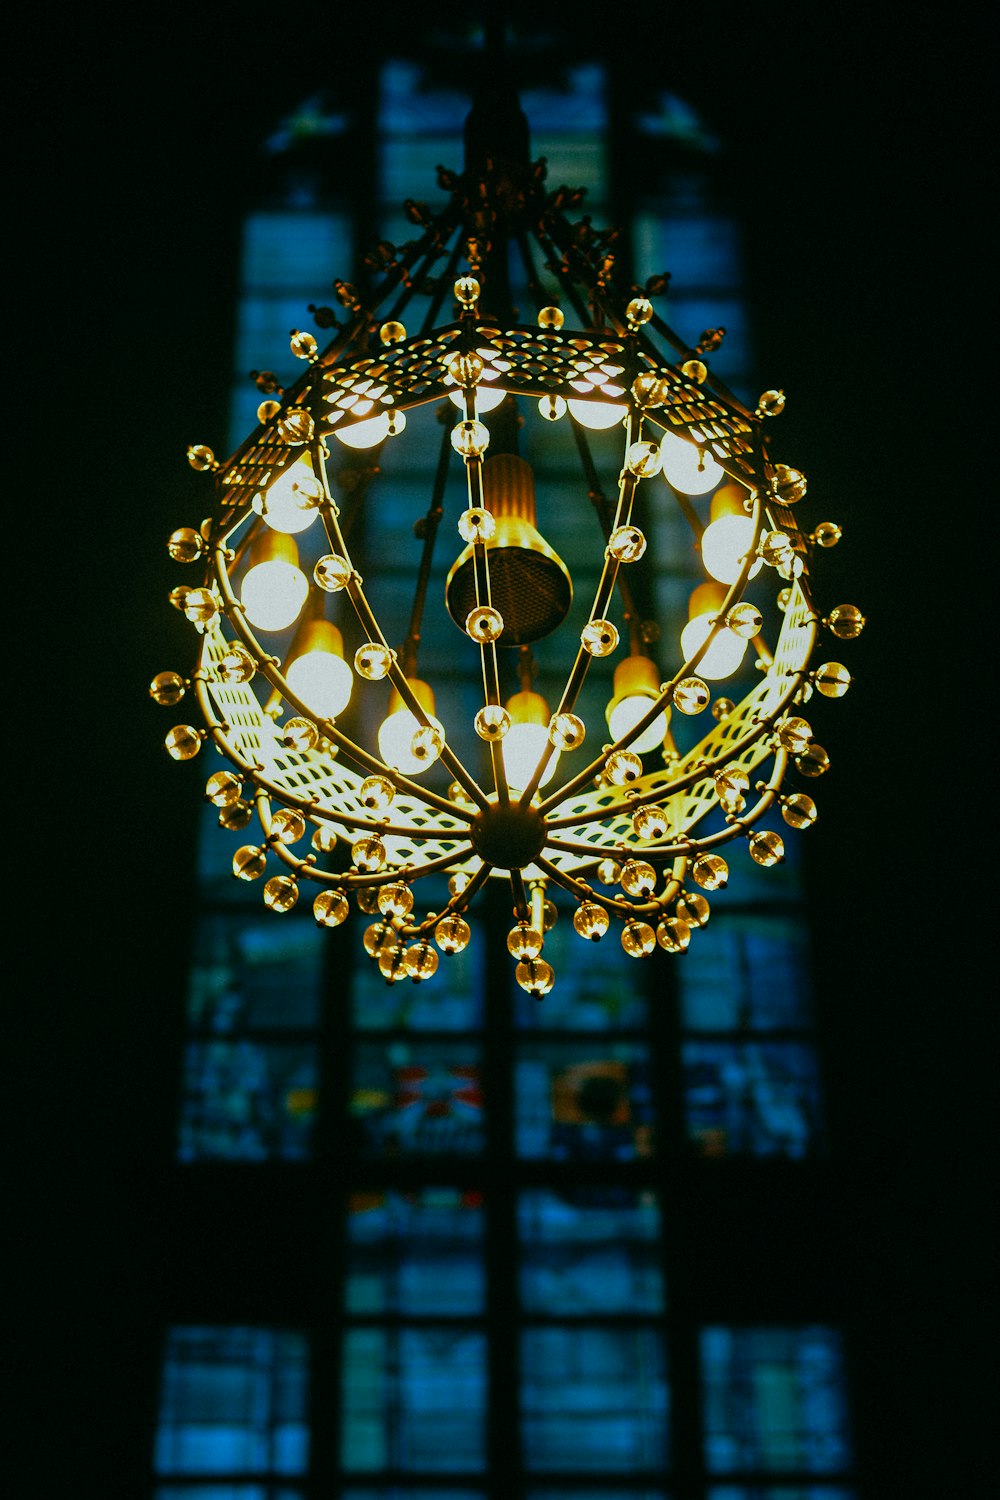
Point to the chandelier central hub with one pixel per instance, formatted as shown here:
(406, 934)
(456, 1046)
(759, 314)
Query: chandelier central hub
(508, 836)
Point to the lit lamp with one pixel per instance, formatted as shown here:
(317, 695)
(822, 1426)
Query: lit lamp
(404, 742)
(318, 673)
(636, 689)
(726, 650)
(728, 537)
(274, 587)
(527, 739)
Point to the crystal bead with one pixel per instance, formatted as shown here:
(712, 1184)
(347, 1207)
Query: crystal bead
(696, 370)
(235, 817)
(524, 941)
(427, 744)
(745, 620)
(639, 311)
(644, 459)
(238, 665)
(591, 920)
(470, 439)
(798, 810)
(767, 848)
(375, 936)
(832, 679)
(300, 734)
(281, 893)
(452, 934)
(691, 695)
(492, 722)
(710, 871)
(249, 862)
(774, 547)
(201, 607)
(599, 637)
(813, 760)
(626, 544)
(302, 345)
(421, 961)
(794, 735)
(622, 767)
(566, 731)
(846, 622)
(200, 457)
(722, 708)
(392, 332)
(649, 822)
(183, 742)
(324, 839)
(789, 484)
(535, 976)
(287, 825)
(167, 688)
(638, 939)
(551, 318)
(376, 793)
(368, 854)
(467, 290)
(609, 872)
(693, 909)
(331, 908)
(185, 545)
(673, 934)
(296, 427)
(395, 900)
(392, 962)
(638, 877)
(464, 369)
(484, 623)
(223, 788)
(827, 534)
(333, 573)
(476, 524)
(372, 661)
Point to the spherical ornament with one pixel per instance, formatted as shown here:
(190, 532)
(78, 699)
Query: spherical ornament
(745, 620)
(366, 900)
(846, 622)
(492, 722)
(467, 290)
(470, 439)
(710, 871)
(464, 368)
(183, 742)
(638, 939)
(392, 962)
(591, 920)
(827, 534)
(730, 784)
(638, 877)
(789, 484)
(238, 665)
(813, 761)
(551, 319)
(622, 767)
(185, 545)
(333, 573)
(281, 893)
(372, 661)
(566, 731)
(476, 524)
(650, 390)
(287, 825)
(167, 688)
(770, 404)
(249, 862)
(420, 961)
(324, 839)
(178, 596)
(609, 872)
(484, 623)
(392, 333)
(267, 411)
(696, 370)
(691, 695)
(331, 908)
(395, 900)
(673, 934)
(832, 679)
(302, 345)
(535, 976)
(200, 457)
(693, 909)
(524, 941)
(201, 607)
(774, 547)
(784, 598)
(300, 734)
(649, 822)
(794, 734)
(639, 311)
(223, 788)
(368, 854)
(551, 408)
(722, 708)
(376, 793)
(644, 459)
(426, 745)
(375, 936)
(599, 637)
(452, 934)
(296, 427)
(235, 817)
(626, 544)
(790, 566)
(798, 810)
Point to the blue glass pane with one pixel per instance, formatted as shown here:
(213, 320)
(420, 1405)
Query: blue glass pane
(590, 1250)
(414, 1398)
(294, 250)
(598, 1494)
(593, 1399)
(780, 1492)
(751, 1098)
(417, 1096)
(745, 973)
(415, 1253)
(233, 1399)
(247, 1101)
(578, 1102)
(774, 1399)
(408, 1492)
(255, 974)
(233, 1491)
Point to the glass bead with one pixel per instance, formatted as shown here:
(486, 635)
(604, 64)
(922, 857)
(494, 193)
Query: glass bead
(427, 744)
(638, 877)
(366, 900)
(550, 915)
(846, 622)
(789, 484)
(745, 620)
(566, 731)
(774, 547)
(591, 920)
(710, 871)
(288, 825)
(639, 311)
(626, 544)
(693, 909)
(421, 961)
(281, 893)
(324, 839)
(375, 935)
(183, 742)
(535, 976)
(798, 810)
(638, 939)
(691, 695)
(622, 767)
(650, 390)
(300, 734)
(492, 722)
(599, 637)
(524, 941)
(331, 908)
(790, 566)
(644, 459)
(832, 679)
(201, 607)
(464, 369)
(200, 457)
(467, 290)
(696, 370)
(794, 735)
(551, 318)
(673, 934)
(167, 688)
(185, 545)
(238, 665)
(235, 817)
(470, 439)
(178, 595)
(784, 599)
(484, 623)
(372, 661)
(767, 848)
(368, 854)
(296, 427)
(376, 793)
(609, 872)
(395, 900)
(333, 573)
(771, 404)
(392, 332)
(392, 962)
(457, 883)
(452, 934)
(302, 345)
(223, 788)
(249, 862)
(722, 708)
(730, 785)
(551, 408)
(476, 524)
(649, 822)
(267, 411)
(813, 761)
(827, 534)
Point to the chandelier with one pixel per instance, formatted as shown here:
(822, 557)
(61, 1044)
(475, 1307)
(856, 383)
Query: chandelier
(362, 794)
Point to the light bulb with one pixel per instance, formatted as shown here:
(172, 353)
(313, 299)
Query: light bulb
(526, 740)
(319, 675)
(274, 588)
(598, 415)
(289, 503)
(636, 685)
(687, 467)
(727, 650)
(487, 398)
(365, 434)
(399, 727)
(724, 545)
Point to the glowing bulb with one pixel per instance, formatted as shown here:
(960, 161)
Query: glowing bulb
(365, 434)
(598, 415)
(687, 467)
(723, 657)
(400, 727)
(487, 398)
(724, 545)
(289, 503)
(275, 588)
(636, 685)
(526, 740)
(319, 675)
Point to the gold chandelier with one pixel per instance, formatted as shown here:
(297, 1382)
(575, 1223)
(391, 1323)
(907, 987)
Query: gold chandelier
(330, 731)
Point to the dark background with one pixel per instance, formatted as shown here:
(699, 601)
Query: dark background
(860, 153)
